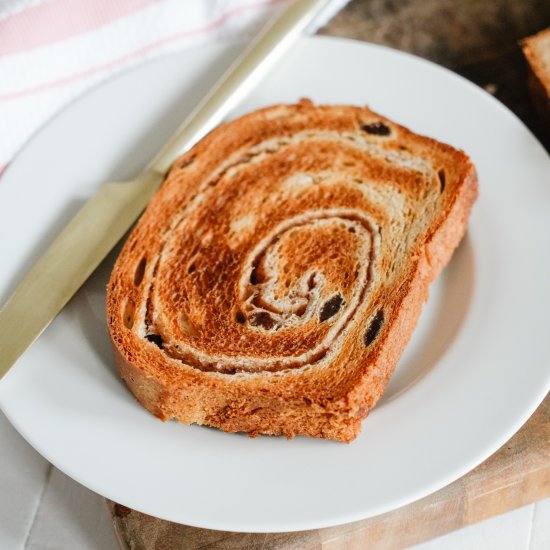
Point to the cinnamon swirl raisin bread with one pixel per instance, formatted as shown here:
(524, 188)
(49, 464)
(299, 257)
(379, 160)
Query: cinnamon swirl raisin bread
(274, 280)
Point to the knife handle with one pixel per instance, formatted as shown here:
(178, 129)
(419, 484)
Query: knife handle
(239, 79)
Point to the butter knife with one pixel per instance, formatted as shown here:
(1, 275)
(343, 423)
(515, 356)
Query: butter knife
(103, 220)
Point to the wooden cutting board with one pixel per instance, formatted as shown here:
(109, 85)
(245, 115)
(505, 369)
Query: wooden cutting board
(478, 40)
(517, 474)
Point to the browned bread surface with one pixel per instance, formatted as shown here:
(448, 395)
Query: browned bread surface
(274, 280)
(537, 52)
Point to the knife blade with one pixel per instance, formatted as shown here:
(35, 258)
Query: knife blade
(104, 219)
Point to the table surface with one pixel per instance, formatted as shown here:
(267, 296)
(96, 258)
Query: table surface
(40, 507)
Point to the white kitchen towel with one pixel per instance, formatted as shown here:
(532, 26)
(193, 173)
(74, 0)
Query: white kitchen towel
(52, 51)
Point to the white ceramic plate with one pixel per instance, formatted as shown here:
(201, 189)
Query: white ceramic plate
(476, 369)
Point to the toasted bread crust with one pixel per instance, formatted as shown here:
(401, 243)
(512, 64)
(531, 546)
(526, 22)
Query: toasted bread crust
(536, 49)
(328, 394)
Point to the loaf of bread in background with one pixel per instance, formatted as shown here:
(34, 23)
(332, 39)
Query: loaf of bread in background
(537, 51)
(274, 280)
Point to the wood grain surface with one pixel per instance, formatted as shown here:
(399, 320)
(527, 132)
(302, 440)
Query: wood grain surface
(478, 40)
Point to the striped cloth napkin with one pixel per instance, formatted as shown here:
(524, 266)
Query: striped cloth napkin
(52, 51)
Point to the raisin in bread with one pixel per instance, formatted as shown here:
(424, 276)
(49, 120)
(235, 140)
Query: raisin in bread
(274, 280)
(537, 52)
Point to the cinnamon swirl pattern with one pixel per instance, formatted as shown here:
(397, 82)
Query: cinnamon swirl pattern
(279, 302)
(278, 254)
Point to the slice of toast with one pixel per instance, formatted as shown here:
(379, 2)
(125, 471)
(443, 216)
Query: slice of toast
(274, 280)
(536, 49)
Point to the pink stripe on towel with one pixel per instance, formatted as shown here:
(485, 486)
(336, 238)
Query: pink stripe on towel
(136, 53)
(56, 20)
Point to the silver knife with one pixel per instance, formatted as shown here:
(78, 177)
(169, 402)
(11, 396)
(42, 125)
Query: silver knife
(103, 220)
